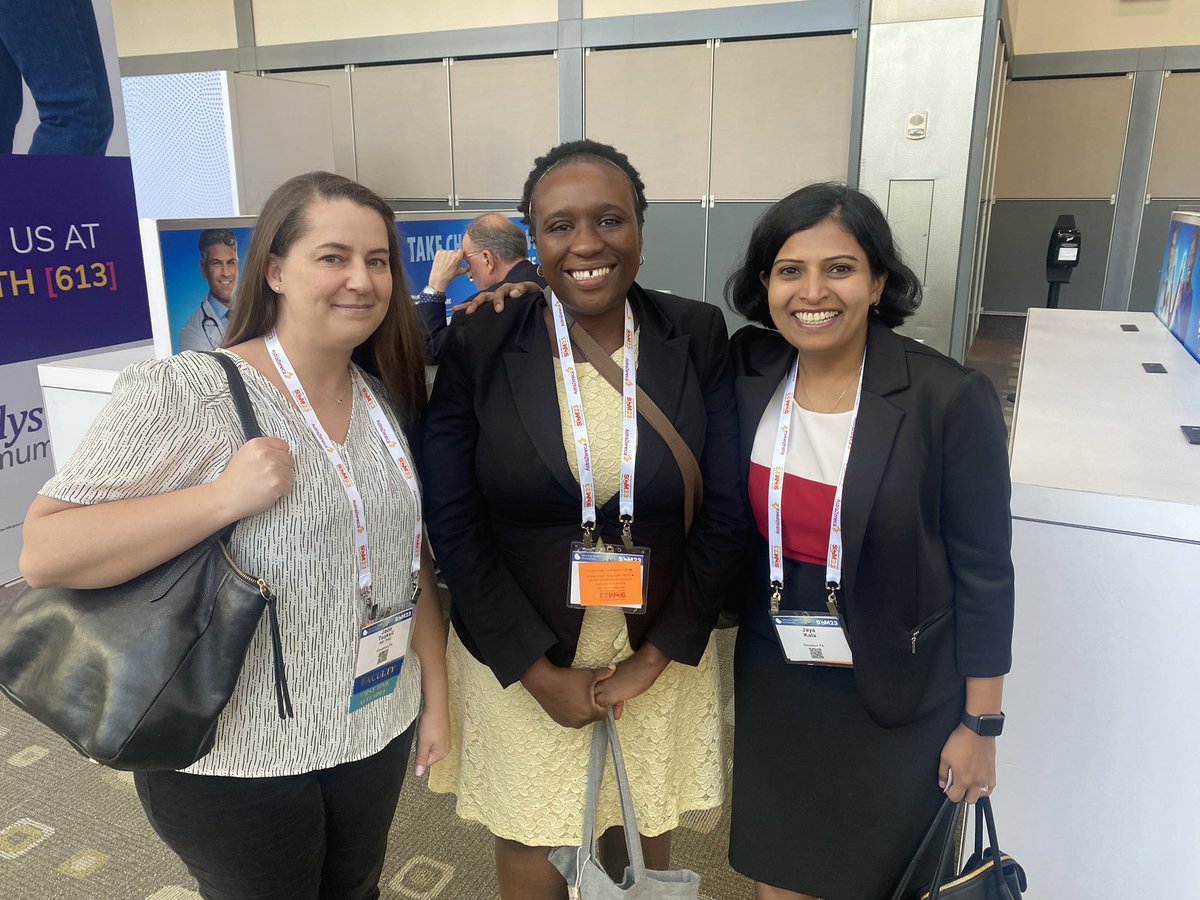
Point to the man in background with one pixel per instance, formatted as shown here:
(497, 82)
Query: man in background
(494, 251)
(205, 328)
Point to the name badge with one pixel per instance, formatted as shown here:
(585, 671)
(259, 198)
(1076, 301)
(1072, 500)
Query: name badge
(812, 640)
(381, 649)
(609, 577)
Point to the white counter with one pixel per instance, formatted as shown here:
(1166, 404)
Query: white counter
(1099, 777)
(76, 389)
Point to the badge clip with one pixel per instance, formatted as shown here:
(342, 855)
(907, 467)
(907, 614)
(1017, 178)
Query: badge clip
(627, 532)
(589, 542)
(776, 596)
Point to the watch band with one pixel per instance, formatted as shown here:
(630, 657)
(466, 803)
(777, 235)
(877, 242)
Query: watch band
(987, 725)
(429, 295)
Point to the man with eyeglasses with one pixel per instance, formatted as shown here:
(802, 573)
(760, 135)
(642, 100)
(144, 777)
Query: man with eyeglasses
(494, 251)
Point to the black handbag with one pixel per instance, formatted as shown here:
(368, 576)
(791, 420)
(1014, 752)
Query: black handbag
(135, 676)
(988, 874)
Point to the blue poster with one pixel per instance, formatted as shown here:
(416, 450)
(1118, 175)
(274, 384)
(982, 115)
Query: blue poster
(420, 239)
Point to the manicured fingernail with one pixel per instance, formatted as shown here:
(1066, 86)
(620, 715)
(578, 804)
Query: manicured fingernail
(419, 770)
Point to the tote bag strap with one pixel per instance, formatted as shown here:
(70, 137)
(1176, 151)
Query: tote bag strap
(604, 735)
(983, 813)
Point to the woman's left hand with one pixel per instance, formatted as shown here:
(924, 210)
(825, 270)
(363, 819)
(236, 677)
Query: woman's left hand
(634, 676)
(968, 765)
(433, 739)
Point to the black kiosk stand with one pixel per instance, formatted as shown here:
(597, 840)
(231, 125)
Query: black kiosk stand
(1062, 256)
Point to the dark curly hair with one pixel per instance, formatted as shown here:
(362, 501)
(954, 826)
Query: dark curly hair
(581, 151)
(809, 206)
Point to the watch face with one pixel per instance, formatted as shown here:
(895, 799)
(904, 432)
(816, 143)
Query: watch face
(990, 726)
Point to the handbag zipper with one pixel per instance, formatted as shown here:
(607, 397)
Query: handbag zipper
(283, 697)
(246, 577)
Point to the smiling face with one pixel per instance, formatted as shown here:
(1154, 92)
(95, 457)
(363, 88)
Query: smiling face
(820, 291)
(588, 237)
(219, 266)
(334, 284)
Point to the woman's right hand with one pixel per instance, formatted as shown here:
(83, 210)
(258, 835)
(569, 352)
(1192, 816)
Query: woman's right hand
(567, 695)
(497, 296)
(258, 474)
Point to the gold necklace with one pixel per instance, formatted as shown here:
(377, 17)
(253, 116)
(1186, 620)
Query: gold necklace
(339, 402)
(812, 406)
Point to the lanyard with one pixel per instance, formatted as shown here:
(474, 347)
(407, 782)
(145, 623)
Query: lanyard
(583, 455)
(833, 559)
(384, 429)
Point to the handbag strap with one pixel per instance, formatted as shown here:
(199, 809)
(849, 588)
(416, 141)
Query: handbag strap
(685, 459)
(947, 806)
(604, 735)
(237, 390)
(251, 430)
(983, 813)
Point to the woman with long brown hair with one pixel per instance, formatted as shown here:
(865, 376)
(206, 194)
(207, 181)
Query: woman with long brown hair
(329, 515)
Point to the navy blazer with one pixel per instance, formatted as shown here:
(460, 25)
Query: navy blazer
(927, 579)
(432, 316)
(502, 506)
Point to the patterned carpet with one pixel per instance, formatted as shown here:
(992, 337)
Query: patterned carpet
(70, 830)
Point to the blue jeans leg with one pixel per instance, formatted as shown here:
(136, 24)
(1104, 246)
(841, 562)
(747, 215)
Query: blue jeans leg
(55, 46)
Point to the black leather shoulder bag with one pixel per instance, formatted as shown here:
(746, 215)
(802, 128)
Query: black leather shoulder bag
(135, 676)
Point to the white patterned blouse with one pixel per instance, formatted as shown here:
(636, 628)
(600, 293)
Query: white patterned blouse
(170, 425)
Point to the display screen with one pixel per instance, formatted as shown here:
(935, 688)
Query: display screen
(1178, 303)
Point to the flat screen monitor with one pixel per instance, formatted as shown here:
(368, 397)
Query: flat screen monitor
(1178, 303)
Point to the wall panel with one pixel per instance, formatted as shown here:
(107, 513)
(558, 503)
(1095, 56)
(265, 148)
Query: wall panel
(338, 82)
(402, 131)
(505, 114)
(1174, 171)
(300, 21)
(770, 135)
(653, 105)
(181, 26)
(1063, 138)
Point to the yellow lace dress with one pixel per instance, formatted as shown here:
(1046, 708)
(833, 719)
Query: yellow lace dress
(524, 776)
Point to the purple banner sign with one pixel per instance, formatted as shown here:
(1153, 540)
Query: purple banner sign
(71, 274)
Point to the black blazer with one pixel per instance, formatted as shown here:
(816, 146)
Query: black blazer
(432, 316)
(502, 506)
(927, 580)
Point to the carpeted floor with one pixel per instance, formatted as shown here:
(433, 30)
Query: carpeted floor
(70, 830)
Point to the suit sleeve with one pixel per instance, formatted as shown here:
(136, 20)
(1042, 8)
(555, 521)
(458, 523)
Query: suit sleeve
(977, 527)
(717, 540)
(432, 317)
(500, 620)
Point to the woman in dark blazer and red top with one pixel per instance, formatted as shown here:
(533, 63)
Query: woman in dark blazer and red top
(503, 505)
(838, 769)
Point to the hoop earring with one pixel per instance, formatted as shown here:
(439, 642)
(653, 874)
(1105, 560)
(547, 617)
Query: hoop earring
(642, 259)
(541, 274)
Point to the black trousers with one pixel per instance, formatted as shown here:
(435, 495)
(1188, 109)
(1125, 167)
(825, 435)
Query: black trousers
(317, 836)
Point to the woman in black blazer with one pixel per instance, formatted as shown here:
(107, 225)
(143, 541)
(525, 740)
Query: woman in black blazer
(504, 504)
(876, 685)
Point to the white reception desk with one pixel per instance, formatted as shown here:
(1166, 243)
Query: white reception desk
(1100, 761)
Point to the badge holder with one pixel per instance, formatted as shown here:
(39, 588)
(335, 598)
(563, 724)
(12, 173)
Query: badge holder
(607, 576)
(382, 646)
(810, 639)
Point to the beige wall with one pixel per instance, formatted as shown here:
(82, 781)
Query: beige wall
(147, 27)
(598, 9)
(1064, 26)
(301, 21)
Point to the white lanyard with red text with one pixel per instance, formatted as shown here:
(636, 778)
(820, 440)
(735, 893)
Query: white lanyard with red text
(394, 448)
(629, 434)
(600, 576)
(806, 638)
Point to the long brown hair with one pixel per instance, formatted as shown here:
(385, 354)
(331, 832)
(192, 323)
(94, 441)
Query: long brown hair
(395, 351)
